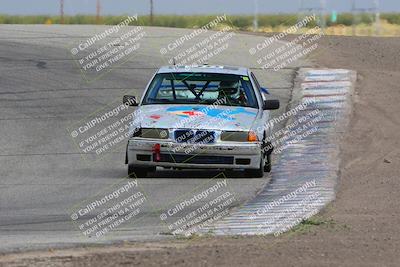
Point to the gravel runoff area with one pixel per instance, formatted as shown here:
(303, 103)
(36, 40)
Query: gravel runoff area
(359, 228)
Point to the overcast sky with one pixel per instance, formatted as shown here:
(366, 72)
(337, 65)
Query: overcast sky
(115, 7)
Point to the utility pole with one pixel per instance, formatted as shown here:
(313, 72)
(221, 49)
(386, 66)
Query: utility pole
(61, 11)
(255, 21)
(323, 13)
(305, 8)
(353, 11)
(151, 12)
(372, 11)
(98, 10)
(377, 18)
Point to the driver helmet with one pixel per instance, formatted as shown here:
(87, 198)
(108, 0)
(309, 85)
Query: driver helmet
(228, 88)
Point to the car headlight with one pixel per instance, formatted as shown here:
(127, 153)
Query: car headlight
(153, 133)
(236, 136)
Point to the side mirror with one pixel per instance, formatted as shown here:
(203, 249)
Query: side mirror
(264, 90)
(271, 104)
(129, 100)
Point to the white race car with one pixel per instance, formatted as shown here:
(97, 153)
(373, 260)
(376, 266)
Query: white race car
(206, 117)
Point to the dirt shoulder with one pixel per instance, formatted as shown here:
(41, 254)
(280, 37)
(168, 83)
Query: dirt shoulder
(359, 228)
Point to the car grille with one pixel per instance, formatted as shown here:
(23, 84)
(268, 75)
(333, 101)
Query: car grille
(195, 137)
(195, 159)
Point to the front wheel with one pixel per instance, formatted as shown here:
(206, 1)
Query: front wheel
(137, 172)
(268, 164)
(257, 173)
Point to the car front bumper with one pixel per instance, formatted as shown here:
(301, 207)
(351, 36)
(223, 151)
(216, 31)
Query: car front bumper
(229, 155)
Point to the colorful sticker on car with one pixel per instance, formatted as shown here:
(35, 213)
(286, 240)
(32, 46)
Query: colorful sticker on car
(225, 114)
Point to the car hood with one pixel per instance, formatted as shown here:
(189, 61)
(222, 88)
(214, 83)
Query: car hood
(197, 117)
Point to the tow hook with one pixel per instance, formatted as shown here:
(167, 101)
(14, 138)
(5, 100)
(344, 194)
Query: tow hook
(157, 152)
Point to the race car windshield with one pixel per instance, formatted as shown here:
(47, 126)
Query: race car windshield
(201, 88)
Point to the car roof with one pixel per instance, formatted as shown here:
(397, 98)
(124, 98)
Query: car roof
(205, 69)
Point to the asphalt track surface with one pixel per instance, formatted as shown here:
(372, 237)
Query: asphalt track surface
(42, 92)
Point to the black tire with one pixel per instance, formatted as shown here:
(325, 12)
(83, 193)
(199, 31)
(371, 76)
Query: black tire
(137, 172)
(256, 173)
(268, 163)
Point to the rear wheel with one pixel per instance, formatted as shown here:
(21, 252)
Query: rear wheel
(137, 172)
